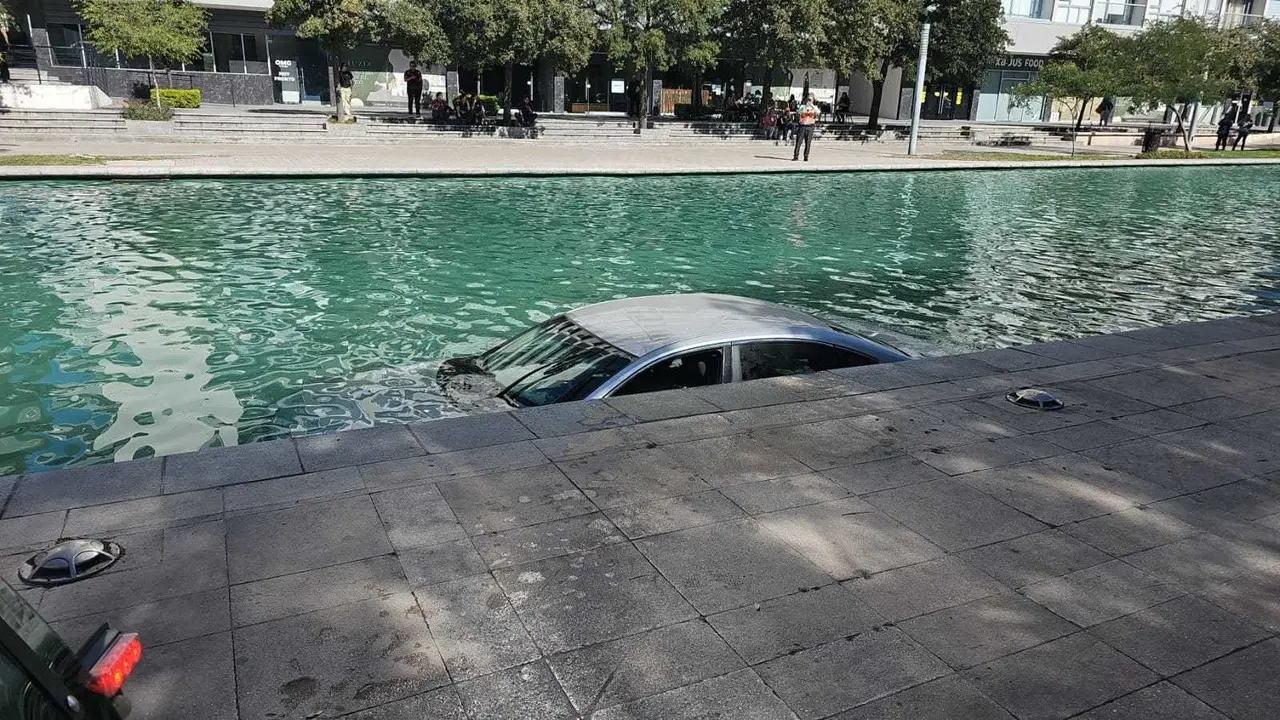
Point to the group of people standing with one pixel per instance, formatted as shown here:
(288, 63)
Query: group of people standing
(796, 119)
(1243, 128)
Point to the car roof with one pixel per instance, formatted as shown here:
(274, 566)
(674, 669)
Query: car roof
(642, 324)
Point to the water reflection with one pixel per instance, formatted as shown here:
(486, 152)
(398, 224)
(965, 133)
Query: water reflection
(157, 318)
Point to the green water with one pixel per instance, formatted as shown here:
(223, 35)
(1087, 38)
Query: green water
(142, 319)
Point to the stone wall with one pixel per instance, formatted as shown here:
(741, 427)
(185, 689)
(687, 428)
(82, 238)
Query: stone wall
(220, 88)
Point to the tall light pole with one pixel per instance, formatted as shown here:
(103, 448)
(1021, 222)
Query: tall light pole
(917, 100)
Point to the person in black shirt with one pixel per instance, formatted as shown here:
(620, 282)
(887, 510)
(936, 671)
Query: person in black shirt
(413, 80)
(1242, 132)
(345, 82)
(1224, 132)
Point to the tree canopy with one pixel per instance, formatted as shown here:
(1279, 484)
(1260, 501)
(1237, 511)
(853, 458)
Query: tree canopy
(1089, 64)
(656, 34)
(1176, 62)
(172, 31)
(774, 34)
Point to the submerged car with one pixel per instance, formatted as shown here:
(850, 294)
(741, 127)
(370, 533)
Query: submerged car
(661, 342)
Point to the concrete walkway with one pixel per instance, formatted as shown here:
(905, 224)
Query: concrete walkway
(501, 157)
(887, 542)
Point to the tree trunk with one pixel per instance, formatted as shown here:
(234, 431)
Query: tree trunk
(508, 80)
(1182, 128)
(1084, 105)
(645, 90)
(695, 101)
(1275, 107)
(877, 96)
(766, 96)
(333, 86)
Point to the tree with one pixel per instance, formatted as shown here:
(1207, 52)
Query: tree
(774, 34)
(504, 33)
(656, 34)
(414, 27)
(1081, 67)
(1177, 62)
(1267, 68)
(966, 36)
(338, 25)
(173, 31)
(863, 37)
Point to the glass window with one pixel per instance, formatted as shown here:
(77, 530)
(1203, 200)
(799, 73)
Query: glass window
(65, 41)
(255, 54)
(761, 360)
(692, 370)
(228, 53)
(553, 362)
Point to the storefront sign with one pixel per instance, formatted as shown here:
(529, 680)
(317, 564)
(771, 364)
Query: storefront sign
(288, 88)
(1019, 62)
(617, 86)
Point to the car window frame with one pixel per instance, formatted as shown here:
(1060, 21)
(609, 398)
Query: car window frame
(737, 353)
(629, 374)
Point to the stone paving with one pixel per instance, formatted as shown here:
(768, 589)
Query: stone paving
(451, 157)
(887, 542)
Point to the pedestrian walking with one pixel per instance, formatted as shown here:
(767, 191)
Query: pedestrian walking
(1105, 110)
(1224, 133)
(413, 81)
(805, 125)
(345, 82)
(1242, 132)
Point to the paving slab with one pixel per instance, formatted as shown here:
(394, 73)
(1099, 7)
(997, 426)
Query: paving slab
(1161, 701)
(549, 539)
(635, 667)
(1088, 435)
(647, 407)
(734, 460)
(157, 623)
(162, 510)
(1031, 558)
(1203, 561)
(78, 487)
(577, 600)
(357, 447)
(568, 447)
(1101, 593)
(442, 704)
(845, 673)
(1156, 422)
(463, 463)
(698, 427)
(676, 513)
(512, 499)
(954, 515)
(740, 695)
(416, 516)
(1178, 635)
(293, 489)
(1176, 468)
(1263, 425)
(1244, 685)
(474, 627)
(806, 618)
(570, 418)
(1131, 531)
(1006, 414)
(1164, 386)
(32, 531)
(326, 587)
(729, 565)
(1255, 597)
(923, 588)
(846, 538)
(1089, 470)
(912, 429)
(994, 453)
(527, 692)
(772, 391)
(1046, 493)
(823, 445)
(202, 667)
(447, 561)
(869, 477)
(948, 698)
(1060, 678)
(615, 478)
(985, 629)
(341, 659)
(782, 493)
(304, 537)
(215, 467)
(465, 433)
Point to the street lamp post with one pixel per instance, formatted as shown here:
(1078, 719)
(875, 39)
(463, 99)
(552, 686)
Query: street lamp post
(917, 100)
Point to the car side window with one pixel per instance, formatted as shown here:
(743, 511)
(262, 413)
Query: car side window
(759, 360)
(690, 370)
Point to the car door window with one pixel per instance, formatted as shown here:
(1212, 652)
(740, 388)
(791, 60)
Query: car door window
(759, 360)
(697, 369)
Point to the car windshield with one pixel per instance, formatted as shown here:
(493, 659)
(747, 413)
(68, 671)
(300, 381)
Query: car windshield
(553, 362)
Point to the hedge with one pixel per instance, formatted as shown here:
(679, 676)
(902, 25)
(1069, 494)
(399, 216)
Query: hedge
(491, 105)
(139, 110)
(174, 97)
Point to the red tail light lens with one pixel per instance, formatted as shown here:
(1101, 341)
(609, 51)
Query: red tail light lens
(107, 676)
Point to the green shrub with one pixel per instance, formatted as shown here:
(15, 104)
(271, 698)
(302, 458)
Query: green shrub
(138, 110)
(176, 98)
(1174, 155)
(491, 105)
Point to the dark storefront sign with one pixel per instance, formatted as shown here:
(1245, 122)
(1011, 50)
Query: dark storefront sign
(288, 87)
